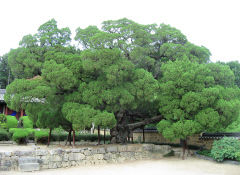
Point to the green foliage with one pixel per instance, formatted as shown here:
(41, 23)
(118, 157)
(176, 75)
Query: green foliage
(62, 136)
(12, 122)
(41, 136)
(5, 72)
(226, 148)
(121, 70)
(27, 123)
(196, 97)
(3, 118)
(235, 67)
(235, 126)
(20, 136)
(205, 153)
(4, 135)
(237, 156)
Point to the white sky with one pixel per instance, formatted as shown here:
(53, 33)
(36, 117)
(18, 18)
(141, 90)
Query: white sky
(214, 24)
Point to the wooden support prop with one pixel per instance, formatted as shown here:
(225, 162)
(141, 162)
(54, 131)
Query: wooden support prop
(73, 137)
(98, 135)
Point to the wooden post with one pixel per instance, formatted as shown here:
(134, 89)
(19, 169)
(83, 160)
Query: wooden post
(98, 135)
(49, 136)
(143, 136)
(21, 113)
(104, 135)
(73, 137)
(6, 110)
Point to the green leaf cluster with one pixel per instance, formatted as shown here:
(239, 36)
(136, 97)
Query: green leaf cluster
(196, 98)
(226, 148)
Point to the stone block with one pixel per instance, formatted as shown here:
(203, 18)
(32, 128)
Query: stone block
(98, 156)
(76, 156)
(65, 157)
(76, 150)
(29, 167)
(112, 149)
(101, 151)
(122, 148)
(164, 149)
(7, 163)
(24, 153)
(23, 160)
(58, 151)
(7, 154)
(147, 147)
(41, 152)
(5, 168)
(56, 158)
(87, 153)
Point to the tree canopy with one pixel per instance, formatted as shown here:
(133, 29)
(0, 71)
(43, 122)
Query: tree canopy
(125, 76)
(196, 98)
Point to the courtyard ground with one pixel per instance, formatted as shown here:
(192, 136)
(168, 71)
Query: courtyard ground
(165, 166)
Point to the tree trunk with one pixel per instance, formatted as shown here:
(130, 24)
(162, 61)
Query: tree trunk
(49, 136)
(104, 136)
(73, 137)
(69, 137)
(183, 142)
(98, 135)
(120, 133)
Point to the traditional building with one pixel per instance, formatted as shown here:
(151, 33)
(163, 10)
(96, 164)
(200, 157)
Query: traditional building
(5, 110)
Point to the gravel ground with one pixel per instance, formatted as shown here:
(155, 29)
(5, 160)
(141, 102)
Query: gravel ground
(166, 166)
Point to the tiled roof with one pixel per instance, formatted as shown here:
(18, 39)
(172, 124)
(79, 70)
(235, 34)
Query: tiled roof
(2, 92)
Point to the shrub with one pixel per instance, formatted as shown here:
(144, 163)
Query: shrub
(27, 123)
(3, 125)
(41, 136)
(4, 135)
(20, 136)
(61, 136)
(12, 122)
(238, 156)
(226, 148)
(3, 118)
(205, 153)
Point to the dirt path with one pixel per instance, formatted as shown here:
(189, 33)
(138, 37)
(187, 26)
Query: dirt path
(166, 166)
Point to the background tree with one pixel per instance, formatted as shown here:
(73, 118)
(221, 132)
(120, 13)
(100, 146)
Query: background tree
(5, 72)
(196, 98)
(235, 67)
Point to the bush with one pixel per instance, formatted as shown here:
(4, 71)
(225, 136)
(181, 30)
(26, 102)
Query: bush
(62, 136)
(3, 125)
(205, 153)
(3, 118)
(41, 136)
(12, 122)
(27, 123)
(226, 148)
(4, 135)
(20, 136)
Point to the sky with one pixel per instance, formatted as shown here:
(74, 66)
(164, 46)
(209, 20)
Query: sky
(214, 24)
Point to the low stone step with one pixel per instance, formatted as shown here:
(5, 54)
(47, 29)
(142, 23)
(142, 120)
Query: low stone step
(29, 167)
(23, 160)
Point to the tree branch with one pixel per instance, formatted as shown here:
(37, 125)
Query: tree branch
(136, 125)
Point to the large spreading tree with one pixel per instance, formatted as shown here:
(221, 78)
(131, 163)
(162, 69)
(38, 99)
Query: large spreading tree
(122, 79)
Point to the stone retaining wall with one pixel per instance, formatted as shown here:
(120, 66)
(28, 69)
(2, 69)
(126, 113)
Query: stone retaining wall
(38, 159)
